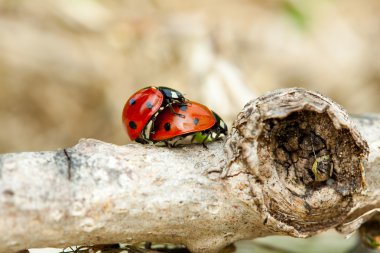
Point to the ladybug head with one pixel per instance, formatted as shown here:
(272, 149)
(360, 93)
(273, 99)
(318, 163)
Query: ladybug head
(171, 94)
(220, 126)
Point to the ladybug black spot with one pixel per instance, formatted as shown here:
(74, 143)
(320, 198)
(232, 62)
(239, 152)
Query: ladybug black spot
(149, 105)
(183, 108)
(167, 126)
(196, 121)
(132, 124)
(132, 101)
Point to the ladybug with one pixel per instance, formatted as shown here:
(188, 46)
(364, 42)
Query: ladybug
(142, 107)
(200, 125)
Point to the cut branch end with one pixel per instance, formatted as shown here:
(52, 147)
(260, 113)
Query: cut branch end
(304, 156)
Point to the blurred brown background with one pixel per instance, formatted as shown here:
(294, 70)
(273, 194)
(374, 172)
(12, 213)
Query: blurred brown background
(67, 67)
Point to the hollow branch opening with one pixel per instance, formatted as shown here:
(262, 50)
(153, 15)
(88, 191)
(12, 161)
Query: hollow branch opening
(309, 153)
(311, 157)
(308, 161)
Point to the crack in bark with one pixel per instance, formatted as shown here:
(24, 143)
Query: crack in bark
(69, 163)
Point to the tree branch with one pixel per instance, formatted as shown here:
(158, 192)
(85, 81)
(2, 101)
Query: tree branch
(292, 165)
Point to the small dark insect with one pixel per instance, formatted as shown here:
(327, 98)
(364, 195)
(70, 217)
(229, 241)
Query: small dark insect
(322, 167)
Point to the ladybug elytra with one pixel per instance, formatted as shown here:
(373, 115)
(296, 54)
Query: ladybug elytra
(142, 106)
(162, 115)
(200, 125)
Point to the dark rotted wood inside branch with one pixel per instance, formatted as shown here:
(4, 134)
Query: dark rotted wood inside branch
(310, 153)
(311, 158)
(303, 156)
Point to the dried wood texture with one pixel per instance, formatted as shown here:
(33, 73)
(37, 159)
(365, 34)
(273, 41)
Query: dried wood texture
(292, 165)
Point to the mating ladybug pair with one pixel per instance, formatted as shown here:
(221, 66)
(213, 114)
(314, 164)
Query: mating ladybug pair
(162, 115)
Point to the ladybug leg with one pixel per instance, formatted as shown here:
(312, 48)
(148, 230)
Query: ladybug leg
(179, 139)
(151, 131)
(175, 143)
(152, 120)
(192, 139)
(185, 103)
(144, 136)
(167, 144)
(176, 113)
(204, 140)
(172, 110)
(142, 140)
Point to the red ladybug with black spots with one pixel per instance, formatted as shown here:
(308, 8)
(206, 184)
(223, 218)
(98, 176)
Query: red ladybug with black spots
(142, 107)
(162, 115)
(199, 125)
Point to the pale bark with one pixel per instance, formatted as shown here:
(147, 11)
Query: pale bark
(243, 188)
